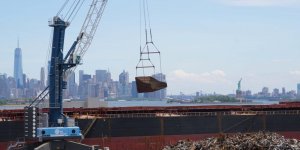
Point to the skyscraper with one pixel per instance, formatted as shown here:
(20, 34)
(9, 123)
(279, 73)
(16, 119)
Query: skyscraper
(83, 85)
(124, 78)
(275, 92)
(72, 87)
(265, 91)
(134, 93)
(298, 90)
(42, 78)
(101, 75)
(18, 70)
(283, 91)
(48, 70)
(124, 87)
(4, 88)
(80, 76)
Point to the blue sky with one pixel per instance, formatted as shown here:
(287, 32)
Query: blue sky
(206, 45)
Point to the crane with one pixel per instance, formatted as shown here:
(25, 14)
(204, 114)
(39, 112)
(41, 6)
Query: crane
(56, 125)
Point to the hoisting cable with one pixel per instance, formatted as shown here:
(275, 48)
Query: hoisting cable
(147, 7)
(63, 7)
(77, 11)
(145, 21)
(146, 39)
(74, 10)
(146, 49)
(140, 6)
(150, 30)
(147, 83)
(67, 14)
(152, 40)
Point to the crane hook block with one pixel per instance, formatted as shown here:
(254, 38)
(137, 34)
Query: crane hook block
(146, 84)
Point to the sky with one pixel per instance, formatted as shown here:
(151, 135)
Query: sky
(206, 45)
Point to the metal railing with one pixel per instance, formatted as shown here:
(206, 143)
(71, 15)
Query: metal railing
(164, 114)
(188, 114)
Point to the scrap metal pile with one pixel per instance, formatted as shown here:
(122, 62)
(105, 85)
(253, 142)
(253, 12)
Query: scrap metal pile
(239, 141)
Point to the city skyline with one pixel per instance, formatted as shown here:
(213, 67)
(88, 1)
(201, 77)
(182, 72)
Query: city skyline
(75, 79)
(216, 42)
(101, 76)
(99, 85)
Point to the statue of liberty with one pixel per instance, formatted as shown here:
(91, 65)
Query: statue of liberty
(239, 85)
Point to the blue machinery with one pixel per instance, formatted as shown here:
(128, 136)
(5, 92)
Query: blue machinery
(55, 125)
(58, 132)
(56, 86)
(57, 67)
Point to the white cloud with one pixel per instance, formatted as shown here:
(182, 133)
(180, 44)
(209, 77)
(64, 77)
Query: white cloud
(295, 72)
(260, 2)
(208, 82)
(281, 61)
(206, 77)
(218, 73)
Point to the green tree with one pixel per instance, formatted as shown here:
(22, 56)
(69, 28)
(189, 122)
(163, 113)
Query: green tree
(215, 98)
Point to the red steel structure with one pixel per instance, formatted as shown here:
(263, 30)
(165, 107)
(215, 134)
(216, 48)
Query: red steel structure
(150, 128)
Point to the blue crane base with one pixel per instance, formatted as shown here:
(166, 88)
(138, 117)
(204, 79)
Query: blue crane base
(48, 133)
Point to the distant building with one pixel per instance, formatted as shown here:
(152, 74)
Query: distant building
(113, 89)
(33, 88)
(160, 94)
(25, 82)
(124, 87)
(101, 76)
(275, 92)
(48, 70)
(42, 78)
(72, 86)
(248, 93)
(197, 94)
(298, 90)
(93, 90)
(18, 69)
(265, 92)
(80, 76)
(292, 94)
(108, 76)
(283, 91)
(4, 88)
(86, 77)
(84, 86)
(134, 93)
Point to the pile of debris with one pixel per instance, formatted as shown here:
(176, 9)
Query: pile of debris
(239, 141)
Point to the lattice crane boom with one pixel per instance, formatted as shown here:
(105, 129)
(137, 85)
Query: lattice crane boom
(87, 31)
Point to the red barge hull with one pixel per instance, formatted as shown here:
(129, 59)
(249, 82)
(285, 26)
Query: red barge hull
(151, 128)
